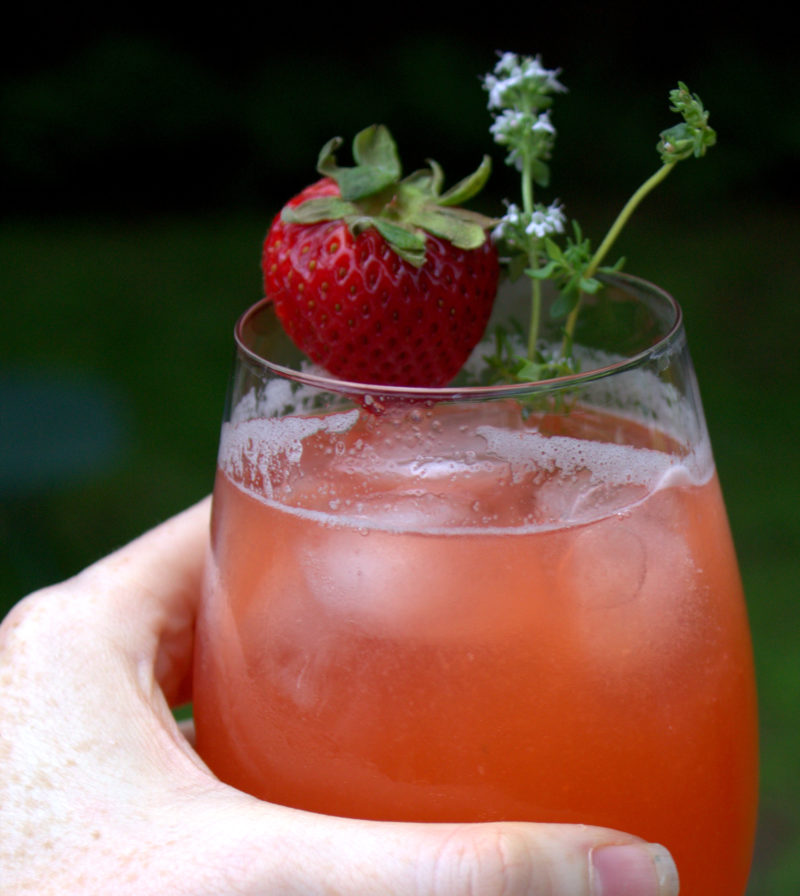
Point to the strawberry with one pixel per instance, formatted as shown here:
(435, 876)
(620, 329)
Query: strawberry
(381, 280)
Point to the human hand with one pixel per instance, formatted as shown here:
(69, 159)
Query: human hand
(100, 791)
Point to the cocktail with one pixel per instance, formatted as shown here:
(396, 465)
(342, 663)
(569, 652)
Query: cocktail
(474, 602)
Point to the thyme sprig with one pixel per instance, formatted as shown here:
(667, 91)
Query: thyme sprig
(521, 93)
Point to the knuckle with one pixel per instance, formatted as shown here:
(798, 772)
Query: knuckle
(39, 630)
(25, 615)
(489, 860)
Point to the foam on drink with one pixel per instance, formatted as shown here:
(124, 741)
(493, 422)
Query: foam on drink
(344, 470)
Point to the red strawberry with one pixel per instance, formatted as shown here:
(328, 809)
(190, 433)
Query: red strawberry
(380, 280)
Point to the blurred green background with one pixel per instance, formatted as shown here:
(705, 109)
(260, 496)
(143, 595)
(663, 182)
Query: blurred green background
(141, 162)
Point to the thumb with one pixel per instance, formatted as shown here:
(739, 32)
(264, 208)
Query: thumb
(267, 848)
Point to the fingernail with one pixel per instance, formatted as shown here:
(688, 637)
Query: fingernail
(643, 869)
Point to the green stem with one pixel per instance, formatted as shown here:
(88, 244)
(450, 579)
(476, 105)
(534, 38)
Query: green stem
(613, 233)
(533, 263)
(527, 187)
(622, 217)
(536, 313)
(527, 179)
(569, 327)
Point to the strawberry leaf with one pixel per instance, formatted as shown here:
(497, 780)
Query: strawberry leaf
(325, 208)
(468, 187)
(374, 147)
(427, 181)
(378, 164)
(458, 229)
(407, 244)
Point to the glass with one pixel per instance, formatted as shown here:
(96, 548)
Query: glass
(484, 602)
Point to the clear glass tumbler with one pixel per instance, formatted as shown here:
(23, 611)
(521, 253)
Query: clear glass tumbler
(484, 602)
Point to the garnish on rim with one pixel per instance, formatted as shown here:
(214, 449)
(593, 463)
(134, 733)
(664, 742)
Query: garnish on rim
(381, 279)
(520, 95)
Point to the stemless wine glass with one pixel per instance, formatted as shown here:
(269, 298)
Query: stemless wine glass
(484, 602)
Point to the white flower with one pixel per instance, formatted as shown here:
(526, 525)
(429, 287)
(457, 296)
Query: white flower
(506, 124)
(526, 135)
(543, 123)
(544, 221)
(511, 126)
(514, 77)
(507, 224)
(516, 226)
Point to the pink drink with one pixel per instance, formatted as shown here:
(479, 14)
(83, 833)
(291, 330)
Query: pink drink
(546, 625)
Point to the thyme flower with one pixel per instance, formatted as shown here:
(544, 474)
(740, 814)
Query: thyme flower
(516, 227)
(521, 81)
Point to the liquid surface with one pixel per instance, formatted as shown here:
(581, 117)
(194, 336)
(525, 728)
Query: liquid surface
(526, 625)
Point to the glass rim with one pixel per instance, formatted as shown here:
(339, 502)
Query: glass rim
(329, 383)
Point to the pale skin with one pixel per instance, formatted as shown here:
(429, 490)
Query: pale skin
(100, 790)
